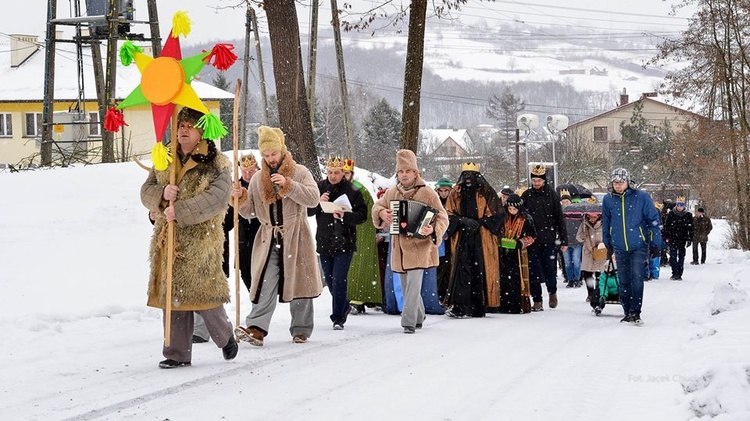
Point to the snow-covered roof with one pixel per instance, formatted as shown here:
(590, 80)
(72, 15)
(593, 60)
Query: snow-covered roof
(26, 82)
(433, 138)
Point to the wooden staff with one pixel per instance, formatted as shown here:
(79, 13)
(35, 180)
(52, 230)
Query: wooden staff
(170, 232)
(235, 201)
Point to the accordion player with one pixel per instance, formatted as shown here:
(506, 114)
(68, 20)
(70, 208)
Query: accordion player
(410, 216)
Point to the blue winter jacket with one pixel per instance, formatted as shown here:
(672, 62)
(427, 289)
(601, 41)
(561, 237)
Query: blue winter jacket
(630, 221)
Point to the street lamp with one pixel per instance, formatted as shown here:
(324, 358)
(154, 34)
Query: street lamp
(555, 124)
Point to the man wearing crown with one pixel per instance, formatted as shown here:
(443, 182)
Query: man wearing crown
(544, 206)
(678, 233)
(336, 237)
(474, 210)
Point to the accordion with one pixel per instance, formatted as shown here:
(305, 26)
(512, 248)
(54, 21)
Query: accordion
(409, 217)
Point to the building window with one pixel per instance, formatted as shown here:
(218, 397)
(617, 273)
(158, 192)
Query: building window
(6, 125)
(33, 124)
(94, 126)
(600, 134)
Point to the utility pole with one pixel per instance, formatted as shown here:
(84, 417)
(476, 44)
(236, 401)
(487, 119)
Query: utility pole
(261, 75)
(313, 57)
(110, 95)
(518, 158)
(49, 83)
(342, 79)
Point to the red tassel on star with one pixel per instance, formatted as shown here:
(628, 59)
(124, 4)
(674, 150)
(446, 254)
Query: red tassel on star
(114, 120)
(222, 55)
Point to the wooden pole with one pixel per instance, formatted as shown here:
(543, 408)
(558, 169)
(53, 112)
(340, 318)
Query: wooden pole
(170, 232)
(236, 202)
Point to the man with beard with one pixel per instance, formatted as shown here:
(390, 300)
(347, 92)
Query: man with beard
(411, 255)
(474, 211)
(284, 263)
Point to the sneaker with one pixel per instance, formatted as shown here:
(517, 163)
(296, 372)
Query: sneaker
(579, 284)
(357, 309)
(198, 340)
(571, 285)
(597, 311)
(635, 319)
(553, 301)
(338, 326)
(672, 278)
(170, 363)
(230, 349)
(409, 329)
(252, 335)
(693, 263)
(454, 314)
(299, 338)
(627, 319)
(538, 306)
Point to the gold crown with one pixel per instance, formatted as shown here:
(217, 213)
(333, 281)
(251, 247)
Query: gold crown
(348, 164)
(248, 161)
(565, 192)
(680, 199)
(538, 169)
(335, 163)
(470, 166)
(520, 191)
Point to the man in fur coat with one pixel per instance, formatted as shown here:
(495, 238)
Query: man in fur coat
(284, 264)
(197, 209)
(409, 254)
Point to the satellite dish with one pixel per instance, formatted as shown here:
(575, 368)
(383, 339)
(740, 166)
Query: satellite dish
(557, 122)
(527, 121)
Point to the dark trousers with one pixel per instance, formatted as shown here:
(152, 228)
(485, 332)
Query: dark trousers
(703, 251)
(630, 267)
(677, 260)
(335, 269)
(542, 268)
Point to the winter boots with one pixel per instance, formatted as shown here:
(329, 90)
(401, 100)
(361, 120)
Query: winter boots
(538, 306)
(553, 300)
(230, 349)
(252, 334)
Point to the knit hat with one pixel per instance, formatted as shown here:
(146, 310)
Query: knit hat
(620, 174)
(701, 210)
(406, 160)
(506, 191)
(443, 182)
(539, 171)
(271, 139)
(514, 200)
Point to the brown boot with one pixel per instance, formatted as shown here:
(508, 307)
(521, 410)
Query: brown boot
(552, 300)
(253, 335)
(538, 306)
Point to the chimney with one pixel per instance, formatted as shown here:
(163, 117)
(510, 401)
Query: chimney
(624, 97)
(21, 48)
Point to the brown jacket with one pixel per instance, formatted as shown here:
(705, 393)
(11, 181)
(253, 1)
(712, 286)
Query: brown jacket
(198, 282)
(591, 236)
(301, 274)
(411, 252)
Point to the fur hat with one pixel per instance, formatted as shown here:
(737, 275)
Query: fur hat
(271, 139)
(188, 114)
(620, 174)
(444, 182)
(406, 160)
(539, 171)
(514, 201)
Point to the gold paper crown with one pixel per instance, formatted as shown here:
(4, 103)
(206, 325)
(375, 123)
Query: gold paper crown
(348, 165)
(538, 169)
(248, 161)
(680, 199)
(565, 192)
(520, 191)
(470, 166)
(335, 163)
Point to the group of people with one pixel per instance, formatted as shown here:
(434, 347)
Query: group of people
(475, 252)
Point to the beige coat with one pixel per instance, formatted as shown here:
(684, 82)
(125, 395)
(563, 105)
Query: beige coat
(411, 252)
(301, 274)
(591, 236)
(198, 282)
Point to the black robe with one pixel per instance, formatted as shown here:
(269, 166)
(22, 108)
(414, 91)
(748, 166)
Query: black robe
(511, 299)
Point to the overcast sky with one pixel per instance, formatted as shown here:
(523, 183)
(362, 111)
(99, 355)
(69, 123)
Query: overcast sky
(217, 20)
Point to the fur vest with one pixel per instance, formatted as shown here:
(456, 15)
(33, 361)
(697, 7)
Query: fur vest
(198, 282)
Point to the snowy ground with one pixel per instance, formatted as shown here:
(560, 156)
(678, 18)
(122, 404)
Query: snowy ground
(79, 343)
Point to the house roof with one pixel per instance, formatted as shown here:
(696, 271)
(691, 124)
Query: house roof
(26, 82)
(630, 104)
(433, 138)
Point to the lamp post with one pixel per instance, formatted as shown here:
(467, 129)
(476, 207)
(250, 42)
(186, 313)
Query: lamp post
(554, 126)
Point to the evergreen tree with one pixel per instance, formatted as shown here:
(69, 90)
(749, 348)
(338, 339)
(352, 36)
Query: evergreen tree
(380, 139)
(225, 111)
